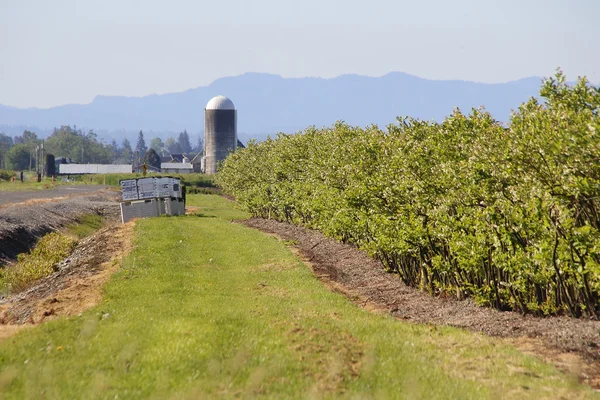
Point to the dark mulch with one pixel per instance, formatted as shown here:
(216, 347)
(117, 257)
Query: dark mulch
(364, 280)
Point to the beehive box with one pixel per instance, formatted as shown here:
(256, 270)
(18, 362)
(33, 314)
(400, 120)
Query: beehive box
(129, 189)
(176, 188)
(139, 209)
(147, 188)
(164, 187)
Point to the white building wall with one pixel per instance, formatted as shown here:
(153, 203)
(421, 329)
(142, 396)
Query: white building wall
(74, 169)
(176, 168)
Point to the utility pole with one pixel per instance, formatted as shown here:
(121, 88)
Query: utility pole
(37, 164)
(38, 150)
(43, 160)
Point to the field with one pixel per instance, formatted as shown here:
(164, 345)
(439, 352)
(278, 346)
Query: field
(380, 243)
(29, 182)
(203, 308)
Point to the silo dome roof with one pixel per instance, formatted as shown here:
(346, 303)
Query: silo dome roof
(220, 103)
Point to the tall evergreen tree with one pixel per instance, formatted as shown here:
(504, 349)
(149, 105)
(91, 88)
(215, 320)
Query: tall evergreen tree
(114, 151)
(157, 144)
(184, 142)
(199, 147)
(141, 147)
(152, 158)
(172, 146)
(126, 152)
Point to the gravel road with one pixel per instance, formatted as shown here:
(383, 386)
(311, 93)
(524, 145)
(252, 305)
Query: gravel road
(59, 191)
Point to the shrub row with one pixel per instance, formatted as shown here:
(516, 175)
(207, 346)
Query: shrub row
(507, 215)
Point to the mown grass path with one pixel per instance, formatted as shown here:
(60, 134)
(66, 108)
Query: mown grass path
(205, 308)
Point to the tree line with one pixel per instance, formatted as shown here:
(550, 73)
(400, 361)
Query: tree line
(19, 152)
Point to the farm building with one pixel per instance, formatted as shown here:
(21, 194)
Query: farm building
(80, 169)
(176, 168)
(220, 132)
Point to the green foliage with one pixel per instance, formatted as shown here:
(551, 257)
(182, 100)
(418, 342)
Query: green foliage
(31, 141)
(126, 155)
(85, 226)
(109, 179)
(203, 308)
(197, 180)
(152, 158)
(184, 142)
(157, 144)
(203, 190)
(6, 142)
(27, 137)
(508, 216)
(79, 146)
(40, 262)
(172, 146)
(189, 180)
(18, 157)
(140, 146)
(6, 175)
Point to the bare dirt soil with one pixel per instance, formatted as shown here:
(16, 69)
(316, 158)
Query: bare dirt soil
(571, 344)
(74, 287)
(76, 283)
(22, 224)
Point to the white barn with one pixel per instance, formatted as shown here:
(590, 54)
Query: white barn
(80, 169)
(176, 168)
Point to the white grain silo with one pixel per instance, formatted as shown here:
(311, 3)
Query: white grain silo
(220, 132)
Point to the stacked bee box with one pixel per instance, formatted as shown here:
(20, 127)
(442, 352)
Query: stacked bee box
(151, 197)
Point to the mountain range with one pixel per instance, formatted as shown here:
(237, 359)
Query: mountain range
(268, 104)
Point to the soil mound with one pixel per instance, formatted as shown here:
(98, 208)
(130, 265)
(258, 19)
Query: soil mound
(76, 284)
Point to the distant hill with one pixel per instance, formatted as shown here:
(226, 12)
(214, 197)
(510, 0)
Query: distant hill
(268, 104)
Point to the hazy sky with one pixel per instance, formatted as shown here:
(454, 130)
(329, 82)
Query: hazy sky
(55, 52)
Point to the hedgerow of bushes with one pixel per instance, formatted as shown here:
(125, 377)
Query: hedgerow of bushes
(509, 216)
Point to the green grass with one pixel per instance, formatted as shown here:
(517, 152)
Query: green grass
(49, 251)
(205, 308)
(38, 263)
(216, 207)
(107, 179)
(192, 180)
(198, 181)
(85, 226)
(30, 184)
